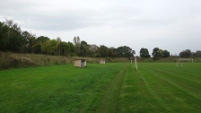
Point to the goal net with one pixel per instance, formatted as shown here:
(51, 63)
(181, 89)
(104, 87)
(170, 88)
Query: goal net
(182, 60)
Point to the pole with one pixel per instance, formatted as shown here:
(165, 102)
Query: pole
(136, 63)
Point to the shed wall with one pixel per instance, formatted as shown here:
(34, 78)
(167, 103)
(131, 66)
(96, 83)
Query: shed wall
(77, 63)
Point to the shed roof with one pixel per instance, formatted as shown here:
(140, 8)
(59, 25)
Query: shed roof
(80, 59)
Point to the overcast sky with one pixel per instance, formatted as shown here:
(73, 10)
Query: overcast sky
(174, 25)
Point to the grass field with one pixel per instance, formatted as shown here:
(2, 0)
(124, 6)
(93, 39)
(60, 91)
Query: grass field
(110, 88)
(162, 87)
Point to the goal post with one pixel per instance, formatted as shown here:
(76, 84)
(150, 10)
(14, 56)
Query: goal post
(134, 59)
(182, 60)
(136, 67)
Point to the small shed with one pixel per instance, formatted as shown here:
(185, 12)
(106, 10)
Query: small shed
(80, 62)
(102, 61)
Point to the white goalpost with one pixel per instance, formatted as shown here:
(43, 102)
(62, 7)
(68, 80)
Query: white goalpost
(136, 63)
(181, 60)
(133, 52)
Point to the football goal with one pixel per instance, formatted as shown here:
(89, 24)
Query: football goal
(182, 60)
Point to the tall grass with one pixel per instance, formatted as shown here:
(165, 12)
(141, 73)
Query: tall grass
(14, 60)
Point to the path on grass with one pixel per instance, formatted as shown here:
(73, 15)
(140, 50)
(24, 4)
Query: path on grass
(153, 88)
(110, 100)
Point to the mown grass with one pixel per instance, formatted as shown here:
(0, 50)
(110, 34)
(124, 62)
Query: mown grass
(55, 88)
(110, 88)
(162, 88)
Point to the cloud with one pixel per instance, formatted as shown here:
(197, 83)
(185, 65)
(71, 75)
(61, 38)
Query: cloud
(169, 24)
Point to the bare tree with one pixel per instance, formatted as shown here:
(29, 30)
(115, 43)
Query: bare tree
(76, 40)
(58, 39)
(77, 43)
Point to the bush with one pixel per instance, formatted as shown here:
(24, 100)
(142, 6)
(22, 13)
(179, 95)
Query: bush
(13, 60)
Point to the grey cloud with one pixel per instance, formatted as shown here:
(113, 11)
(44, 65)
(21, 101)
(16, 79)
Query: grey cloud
(148, 21)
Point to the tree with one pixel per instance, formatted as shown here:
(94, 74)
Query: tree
(124, 51)
(185, 53)
(66, 48)
(112, 52)
(197, 54)
(102, 51)
(29, 41)
(84, 49)
(50, 47)
(157, 53)
(9, 23)
(70, 49)
(3, 37)
(144, 53)
(42, 39)
(16, 41)
(63, 48)
(76, 40)
(77, 43)
(60, 44)
(160, 53)
(11, 38)
(93, 50)
(39, 42)
(166, 53)
(59, 39)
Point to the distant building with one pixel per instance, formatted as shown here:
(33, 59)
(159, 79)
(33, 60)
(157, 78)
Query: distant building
(80, 62)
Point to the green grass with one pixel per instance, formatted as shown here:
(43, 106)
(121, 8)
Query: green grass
(162, 88)
(110, 88)
(55, 88)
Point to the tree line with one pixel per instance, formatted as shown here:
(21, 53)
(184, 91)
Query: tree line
(187, 54)
(13, 39)
(157, 53)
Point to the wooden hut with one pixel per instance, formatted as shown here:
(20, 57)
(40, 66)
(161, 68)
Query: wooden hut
(80, 62)
(102, 61)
